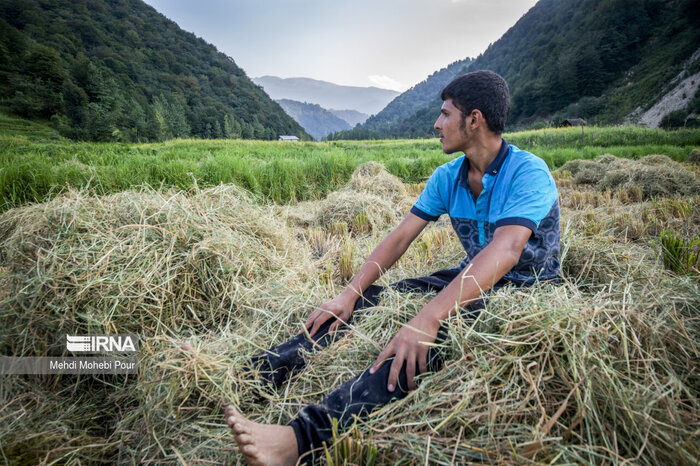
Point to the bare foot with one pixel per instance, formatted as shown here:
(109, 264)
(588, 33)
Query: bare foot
(262, 444)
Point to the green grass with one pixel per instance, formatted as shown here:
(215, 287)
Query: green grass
(35, 163)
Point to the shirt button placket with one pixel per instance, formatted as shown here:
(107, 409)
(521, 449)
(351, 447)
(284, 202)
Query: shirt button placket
(480, 219)
(481, 209)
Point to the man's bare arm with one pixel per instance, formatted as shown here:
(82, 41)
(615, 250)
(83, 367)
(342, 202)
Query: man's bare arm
(381, 259)
(411, 342)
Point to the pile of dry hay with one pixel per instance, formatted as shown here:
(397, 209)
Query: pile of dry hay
(373, 200)
(140, 262)
(600, 369)
(654, 175)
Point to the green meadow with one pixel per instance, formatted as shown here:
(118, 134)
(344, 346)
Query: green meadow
(36, 163)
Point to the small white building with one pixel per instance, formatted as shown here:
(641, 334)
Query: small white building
(288, 138)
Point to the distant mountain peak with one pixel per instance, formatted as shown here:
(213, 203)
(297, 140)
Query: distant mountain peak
(318, 82)
(367, 100)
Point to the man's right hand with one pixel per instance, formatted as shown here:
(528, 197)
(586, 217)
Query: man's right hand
(339, 308)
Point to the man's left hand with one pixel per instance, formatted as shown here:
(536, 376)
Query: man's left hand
(411, 345)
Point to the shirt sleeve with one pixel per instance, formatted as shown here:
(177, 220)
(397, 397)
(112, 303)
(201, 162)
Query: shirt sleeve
(433, 201)
(531, 197)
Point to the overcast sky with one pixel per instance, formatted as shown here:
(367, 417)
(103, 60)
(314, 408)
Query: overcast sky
(392, 44)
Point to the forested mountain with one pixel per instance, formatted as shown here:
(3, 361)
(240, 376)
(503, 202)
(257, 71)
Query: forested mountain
(316, 120)
(119, 70)
(603, 60)
(368, 100)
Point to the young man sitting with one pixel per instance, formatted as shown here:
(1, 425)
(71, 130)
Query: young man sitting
(504, 207)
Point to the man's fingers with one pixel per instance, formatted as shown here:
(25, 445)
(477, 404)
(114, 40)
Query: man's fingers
(394, 372)
(309, 321)
(320, 320)
(377, 363)
(335, 325)
(338, 322)
(311, 318)
(386, 352)
(411, 371)
(423, 363)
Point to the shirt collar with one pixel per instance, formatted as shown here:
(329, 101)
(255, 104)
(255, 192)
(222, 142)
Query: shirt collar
(493, 168)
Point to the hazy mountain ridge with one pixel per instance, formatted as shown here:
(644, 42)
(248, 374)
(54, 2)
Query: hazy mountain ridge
(353, 117)
(316, 120)
(119, 70)
(596, 59)
(369, 100)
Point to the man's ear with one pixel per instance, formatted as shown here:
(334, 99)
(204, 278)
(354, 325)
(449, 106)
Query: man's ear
(475, 118)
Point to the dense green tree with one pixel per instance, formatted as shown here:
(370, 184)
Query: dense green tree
(44, 62)
(143, 77)
(170, 115)
(76, 102)
(232, 128)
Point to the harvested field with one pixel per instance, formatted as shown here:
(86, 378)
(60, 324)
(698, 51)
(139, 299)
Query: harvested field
(600, 369)
(655, 175)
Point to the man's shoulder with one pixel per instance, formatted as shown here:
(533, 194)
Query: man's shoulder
(524, 159)
(528, 171)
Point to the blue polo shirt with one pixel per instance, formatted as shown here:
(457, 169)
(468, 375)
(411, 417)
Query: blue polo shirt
(518, 190)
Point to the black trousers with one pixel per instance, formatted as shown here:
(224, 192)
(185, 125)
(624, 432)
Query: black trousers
(363, 393)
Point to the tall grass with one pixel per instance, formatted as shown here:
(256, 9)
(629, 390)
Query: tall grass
(35, 164)
(679, 255)
(612, 136)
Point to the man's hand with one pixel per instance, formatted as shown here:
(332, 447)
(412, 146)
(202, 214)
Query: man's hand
(340, 308)
(411, 344)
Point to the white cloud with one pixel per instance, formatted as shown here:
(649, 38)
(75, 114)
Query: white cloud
(385, 82)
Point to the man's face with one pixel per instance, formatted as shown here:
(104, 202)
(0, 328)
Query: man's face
(450, 125)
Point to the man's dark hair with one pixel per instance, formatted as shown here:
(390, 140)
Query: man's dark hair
(482, 90)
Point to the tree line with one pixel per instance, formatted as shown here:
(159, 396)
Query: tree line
(117, 70)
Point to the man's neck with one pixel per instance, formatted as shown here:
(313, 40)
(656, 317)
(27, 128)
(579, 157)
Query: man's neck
(483, 152)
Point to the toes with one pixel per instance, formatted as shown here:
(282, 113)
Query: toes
(240, 428)
(231, 421)
(230, 411)
(250, 450)
(244, 439)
